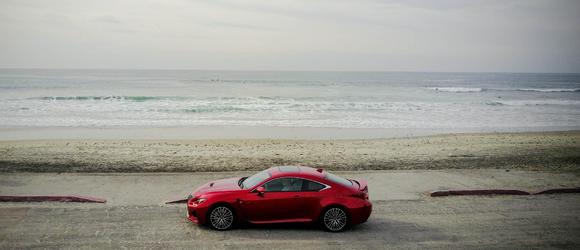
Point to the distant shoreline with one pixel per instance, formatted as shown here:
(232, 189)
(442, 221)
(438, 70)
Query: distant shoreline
(287, 70)
(526, 150)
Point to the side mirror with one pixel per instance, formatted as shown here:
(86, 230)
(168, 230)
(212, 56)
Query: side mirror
(260, 191)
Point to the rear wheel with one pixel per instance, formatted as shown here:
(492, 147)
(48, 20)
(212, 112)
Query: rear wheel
(221, 218)
(334, 219)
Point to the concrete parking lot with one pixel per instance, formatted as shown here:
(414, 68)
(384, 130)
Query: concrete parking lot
(550, 221)
(410, 220)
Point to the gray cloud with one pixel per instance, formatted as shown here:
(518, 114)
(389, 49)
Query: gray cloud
(108, 19)
(392, 35)
(238, 25)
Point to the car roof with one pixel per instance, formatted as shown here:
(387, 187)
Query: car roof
(295, 171)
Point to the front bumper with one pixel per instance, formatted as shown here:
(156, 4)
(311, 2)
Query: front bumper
(196, 212)
(192, 216)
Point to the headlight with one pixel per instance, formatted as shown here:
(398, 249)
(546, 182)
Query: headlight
(199, 201)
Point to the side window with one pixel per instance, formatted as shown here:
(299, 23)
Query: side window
(312, 186)
(284, 185)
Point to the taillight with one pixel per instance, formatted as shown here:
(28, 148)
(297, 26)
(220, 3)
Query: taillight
(362, 195)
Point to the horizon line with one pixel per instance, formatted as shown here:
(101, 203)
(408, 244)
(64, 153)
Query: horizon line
(288, 70)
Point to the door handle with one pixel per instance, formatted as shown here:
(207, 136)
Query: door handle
(296, 196)
(240, 201)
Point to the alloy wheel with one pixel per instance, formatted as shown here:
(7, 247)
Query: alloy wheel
(335, 219)
(221, 218)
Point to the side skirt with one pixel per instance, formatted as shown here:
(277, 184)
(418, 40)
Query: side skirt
(303, 220)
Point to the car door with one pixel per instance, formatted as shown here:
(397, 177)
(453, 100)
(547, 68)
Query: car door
(279, 203)
(312, 193)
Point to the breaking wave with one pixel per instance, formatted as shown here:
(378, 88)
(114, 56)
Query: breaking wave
(535, 103)
(471, 90)
(550, 90)
(105, 98)
(458, 89)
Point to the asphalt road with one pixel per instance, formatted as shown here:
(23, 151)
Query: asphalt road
(505, 222)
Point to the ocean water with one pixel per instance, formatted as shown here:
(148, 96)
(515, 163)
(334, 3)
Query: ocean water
(133, 98)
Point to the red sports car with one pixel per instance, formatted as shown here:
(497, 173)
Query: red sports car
(279, 195)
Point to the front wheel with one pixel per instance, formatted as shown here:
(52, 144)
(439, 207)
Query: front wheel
(221, 218)
(334, 219)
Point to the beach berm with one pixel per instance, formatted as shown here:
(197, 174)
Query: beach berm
(529, 151)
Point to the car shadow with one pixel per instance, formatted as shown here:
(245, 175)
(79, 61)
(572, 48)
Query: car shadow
(280, 226)
(383, 230)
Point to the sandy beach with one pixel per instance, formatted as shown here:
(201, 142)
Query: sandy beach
(530, 151)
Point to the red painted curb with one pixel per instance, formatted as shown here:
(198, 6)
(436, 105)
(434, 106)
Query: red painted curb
(560, 191)
(479, 192)
(177, 201)
(29, 198)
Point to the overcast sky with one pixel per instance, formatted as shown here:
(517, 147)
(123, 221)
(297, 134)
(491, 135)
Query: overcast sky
(396, 35)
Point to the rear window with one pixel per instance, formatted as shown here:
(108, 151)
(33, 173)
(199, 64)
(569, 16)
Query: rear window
(312, 186)
(337, 179)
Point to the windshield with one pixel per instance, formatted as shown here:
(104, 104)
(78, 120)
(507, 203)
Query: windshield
(255, 179)
(338, 179)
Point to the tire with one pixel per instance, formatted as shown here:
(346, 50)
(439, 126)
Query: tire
(334, 219)
(221, 218)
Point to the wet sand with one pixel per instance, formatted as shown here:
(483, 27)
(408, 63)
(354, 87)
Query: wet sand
(530, 151)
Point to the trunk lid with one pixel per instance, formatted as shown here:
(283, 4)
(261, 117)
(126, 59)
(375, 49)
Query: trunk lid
(362, 185)
(362, 188)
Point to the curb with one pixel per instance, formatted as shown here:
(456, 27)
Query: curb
(177, 201)
(478, 192)
(73, 198)
(560, 191)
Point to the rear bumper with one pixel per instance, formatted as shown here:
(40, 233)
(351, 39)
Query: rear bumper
(361, 214)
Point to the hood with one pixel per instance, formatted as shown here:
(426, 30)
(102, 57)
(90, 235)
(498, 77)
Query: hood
(223, 185)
